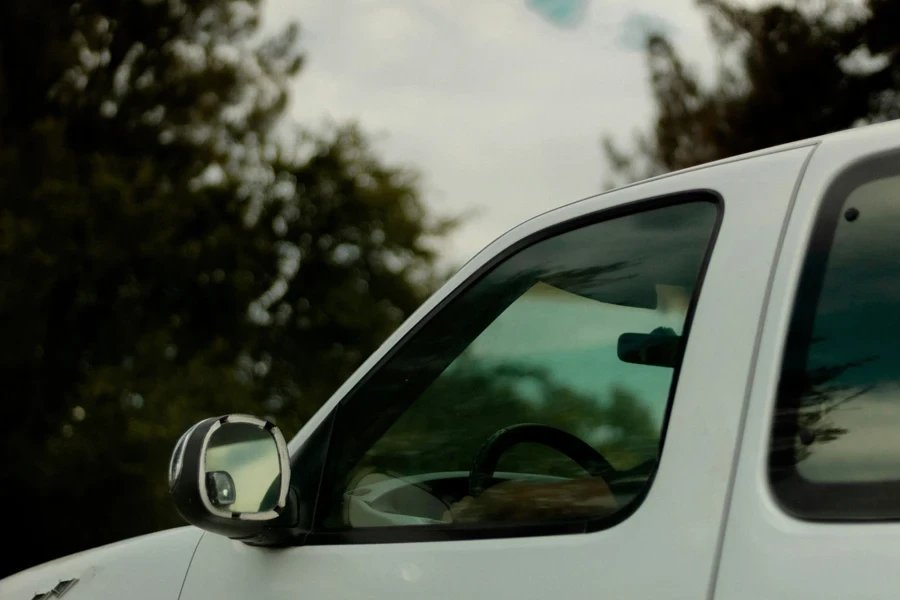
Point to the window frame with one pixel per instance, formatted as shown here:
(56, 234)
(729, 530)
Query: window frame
(472, 531)
(797, 496)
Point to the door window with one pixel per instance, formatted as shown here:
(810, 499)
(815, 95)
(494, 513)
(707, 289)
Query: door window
(835, 450)
(539, 394)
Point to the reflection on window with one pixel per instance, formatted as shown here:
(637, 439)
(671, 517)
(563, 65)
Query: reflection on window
(537, 341)
(550, 358)
(837, 436)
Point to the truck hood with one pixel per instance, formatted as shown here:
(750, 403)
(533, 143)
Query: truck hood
(147, 567)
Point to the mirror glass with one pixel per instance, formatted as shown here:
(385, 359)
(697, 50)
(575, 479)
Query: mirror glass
(659, 348)
(243, 474)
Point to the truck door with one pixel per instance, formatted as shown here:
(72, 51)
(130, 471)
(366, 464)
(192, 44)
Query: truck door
(560, 420)
(816, 509)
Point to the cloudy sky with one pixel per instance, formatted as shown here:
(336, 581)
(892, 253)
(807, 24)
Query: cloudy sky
(499, 108)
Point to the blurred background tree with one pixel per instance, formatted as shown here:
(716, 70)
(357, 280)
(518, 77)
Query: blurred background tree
(171, 247)
(787, 71)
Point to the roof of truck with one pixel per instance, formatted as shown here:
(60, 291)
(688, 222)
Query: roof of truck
(838, 135)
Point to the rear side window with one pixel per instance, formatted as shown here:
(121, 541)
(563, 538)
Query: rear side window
(835, 452)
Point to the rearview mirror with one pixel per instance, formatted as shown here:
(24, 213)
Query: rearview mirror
(230, 475)
(658, 349)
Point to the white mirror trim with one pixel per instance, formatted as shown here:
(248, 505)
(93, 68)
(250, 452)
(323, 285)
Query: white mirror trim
(283, 465)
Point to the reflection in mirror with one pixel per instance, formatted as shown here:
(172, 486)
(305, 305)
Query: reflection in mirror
(242, 468)
(220, 488)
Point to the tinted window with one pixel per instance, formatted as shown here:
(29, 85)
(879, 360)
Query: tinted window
(577, 337)
(836, 439)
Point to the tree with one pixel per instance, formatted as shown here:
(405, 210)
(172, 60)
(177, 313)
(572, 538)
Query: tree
(788, 71)
(166, 257)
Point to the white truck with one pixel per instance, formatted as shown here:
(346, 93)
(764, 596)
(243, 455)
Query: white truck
(683, 388)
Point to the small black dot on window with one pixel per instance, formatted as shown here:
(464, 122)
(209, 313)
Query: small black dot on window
(851, 214)
(807, 436)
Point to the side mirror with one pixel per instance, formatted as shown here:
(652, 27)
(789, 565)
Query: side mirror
(231, 475)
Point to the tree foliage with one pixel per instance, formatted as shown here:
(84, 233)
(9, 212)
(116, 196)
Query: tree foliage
(787, 71)
(172, 247)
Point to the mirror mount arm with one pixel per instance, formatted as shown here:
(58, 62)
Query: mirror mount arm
(297, 520)
(286, 530)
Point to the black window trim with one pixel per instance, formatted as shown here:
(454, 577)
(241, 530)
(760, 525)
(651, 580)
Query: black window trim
(473, 531)
(797, 496)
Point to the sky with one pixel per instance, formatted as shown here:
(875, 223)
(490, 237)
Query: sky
(501, 110)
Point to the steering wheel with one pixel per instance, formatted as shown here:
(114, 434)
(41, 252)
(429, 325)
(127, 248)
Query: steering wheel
(488, 456)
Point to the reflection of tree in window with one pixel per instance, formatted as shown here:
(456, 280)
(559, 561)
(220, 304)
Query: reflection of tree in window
(448, 424)
(820, 394)
(840, 370)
